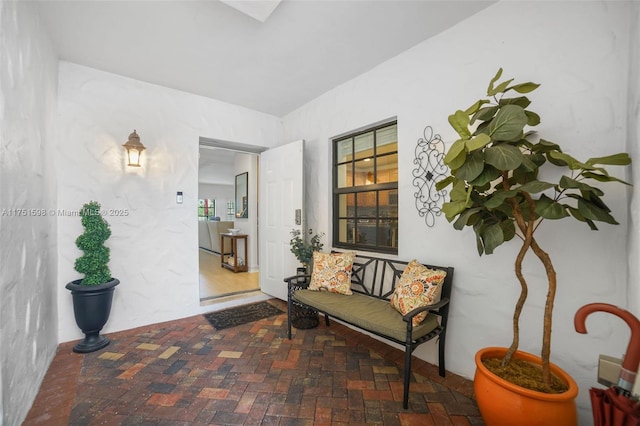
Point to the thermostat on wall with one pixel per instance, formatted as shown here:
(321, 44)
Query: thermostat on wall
(179, 197)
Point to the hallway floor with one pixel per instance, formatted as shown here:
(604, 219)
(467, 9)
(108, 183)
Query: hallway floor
(185, 372)
(217, 282)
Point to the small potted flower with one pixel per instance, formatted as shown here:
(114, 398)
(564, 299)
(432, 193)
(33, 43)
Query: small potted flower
(302, 250)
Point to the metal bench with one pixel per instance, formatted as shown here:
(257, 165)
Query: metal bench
(373, 281)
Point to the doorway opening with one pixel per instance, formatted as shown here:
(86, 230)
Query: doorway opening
(220, 208)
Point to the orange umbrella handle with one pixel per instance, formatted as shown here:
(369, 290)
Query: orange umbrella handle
(632, 357)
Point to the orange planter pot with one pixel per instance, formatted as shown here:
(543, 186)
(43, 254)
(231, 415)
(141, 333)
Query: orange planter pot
(503, 403)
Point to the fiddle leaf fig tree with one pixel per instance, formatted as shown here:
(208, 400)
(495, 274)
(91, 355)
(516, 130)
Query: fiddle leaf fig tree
(499, 190)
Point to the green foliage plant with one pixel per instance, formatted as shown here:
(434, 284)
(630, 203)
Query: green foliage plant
(94, 262)
(498, 188)
(302, 250)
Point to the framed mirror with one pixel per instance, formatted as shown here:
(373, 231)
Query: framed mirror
(242, 190)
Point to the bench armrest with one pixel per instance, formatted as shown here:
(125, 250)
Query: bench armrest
(430, 308)
(293, 281)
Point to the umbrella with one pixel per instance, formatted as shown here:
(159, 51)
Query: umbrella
(615, 406)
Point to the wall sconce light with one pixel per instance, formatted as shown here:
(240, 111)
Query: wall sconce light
(134, 149)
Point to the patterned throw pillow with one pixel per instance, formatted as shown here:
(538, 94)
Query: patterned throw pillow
(418, 286)
(332, 272)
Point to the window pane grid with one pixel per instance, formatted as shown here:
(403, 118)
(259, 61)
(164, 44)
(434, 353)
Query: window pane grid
(365, 190)
(206, 208)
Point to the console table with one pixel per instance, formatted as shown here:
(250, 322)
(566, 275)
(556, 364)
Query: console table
(234, 252)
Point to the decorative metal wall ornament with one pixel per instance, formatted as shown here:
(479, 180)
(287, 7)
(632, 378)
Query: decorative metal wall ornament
(429, 170)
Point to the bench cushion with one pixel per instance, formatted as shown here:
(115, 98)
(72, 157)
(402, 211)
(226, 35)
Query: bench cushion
(369, 313)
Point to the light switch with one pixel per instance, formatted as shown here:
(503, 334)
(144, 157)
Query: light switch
(608, 370)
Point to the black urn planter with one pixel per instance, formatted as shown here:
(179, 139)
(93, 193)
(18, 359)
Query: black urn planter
(91, 308)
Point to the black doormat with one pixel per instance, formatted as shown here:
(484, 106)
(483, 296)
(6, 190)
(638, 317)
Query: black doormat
(241, 315)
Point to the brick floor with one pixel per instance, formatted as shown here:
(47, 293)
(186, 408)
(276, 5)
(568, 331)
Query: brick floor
(185, 372)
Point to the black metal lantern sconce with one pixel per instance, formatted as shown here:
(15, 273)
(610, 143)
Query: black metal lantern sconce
(134, 149)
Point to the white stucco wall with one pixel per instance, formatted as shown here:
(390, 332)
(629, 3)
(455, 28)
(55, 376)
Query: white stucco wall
(579, 51)
(154, 247)
(28, 277)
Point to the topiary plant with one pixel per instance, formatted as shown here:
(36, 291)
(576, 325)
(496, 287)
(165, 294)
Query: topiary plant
(498, 190)
(94, 262)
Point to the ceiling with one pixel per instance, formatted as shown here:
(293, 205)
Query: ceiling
(216, 49)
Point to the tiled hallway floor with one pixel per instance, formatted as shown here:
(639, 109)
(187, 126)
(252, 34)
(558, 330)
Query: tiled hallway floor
(186, 372)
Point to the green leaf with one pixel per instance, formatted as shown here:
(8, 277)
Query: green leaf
(478, 142)
(484, 114)
(508, 124)
(535, 186)
(492, 237)
(521, 101)
(464, 217)
(567, 160)
(498, 198)
(528, 165)
(603, 178)
(473, 108)
(453, 208)
(533, 119)
(482, 128)
(544, 146)
(502, 87)
(528, 170)
(591, 198)
(460, 123)
(521, 176)
(441, 184)
(489, 174)
(456, 148)
(493, 80)
(621, 159)
(479, 245)
(538, 159)
(459, 192)
(593, 212)
(576, 214)
(472, 168)
(549, 208)
(525, 87)
(503, 157)
(457, 162)
(568, 183)
(596, 200)
(508, 229)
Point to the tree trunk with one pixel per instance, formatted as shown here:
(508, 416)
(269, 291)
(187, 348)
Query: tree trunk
(527, 232)
(548, 311)
(527, 229)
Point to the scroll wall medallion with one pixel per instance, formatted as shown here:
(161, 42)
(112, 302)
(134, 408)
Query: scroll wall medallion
(429, 170)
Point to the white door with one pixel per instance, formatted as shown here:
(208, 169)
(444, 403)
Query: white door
(281, 199)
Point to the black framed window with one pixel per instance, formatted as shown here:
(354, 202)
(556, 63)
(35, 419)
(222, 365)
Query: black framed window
(365, 189)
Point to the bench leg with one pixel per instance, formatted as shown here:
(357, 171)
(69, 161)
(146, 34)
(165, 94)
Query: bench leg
(289, 307)
(407, 376)
(441, 369)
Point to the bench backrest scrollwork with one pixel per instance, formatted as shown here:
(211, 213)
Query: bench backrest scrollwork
(378, 277)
